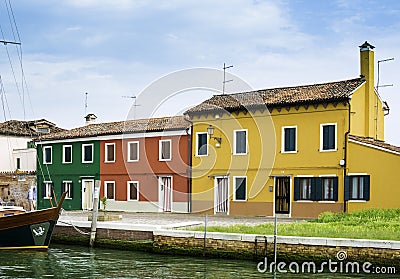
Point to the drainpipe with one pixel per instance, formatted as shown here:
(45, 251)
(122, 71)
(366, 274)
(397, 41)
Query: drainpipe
(346, 138)
(190, 140)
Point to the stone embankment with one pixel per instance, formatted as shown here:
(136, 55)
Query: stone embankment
(165, 238)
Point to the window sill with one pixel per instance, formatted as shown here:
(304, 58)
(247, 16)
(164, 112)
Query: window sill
(326, 201)
(239, 200)
(87, 162)
(132, 161)
(197, 155)
(241, 154)
(132, 200)
(65, 163)
(329, 150)
(288, 152)
(109, 162)
(164, 160)
(305, 201)
(356, 201)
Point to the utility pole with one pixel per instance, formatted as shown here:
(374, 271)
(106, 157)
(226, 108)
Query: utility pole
(225, 81)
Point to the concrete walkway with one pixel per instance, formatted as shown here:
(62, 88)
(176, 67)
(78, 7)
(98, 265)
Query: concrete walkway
(156, 221)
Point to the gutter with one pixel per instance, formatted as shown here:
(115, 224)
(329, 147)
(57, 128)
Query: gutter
(346, 139)
(189, 132)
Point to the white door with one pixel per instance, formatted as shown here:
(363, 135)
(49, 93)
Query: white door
(87, 194)
(165, 193)
(221, 194)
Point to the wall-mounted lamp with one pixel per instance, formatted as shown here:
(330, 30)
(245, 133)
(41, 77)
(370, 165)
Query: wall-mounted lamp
(210, 132)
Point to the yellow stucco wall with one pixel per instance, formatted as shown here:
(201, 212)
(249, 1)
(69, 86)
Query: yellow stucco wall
(265, 159)
(382, 167)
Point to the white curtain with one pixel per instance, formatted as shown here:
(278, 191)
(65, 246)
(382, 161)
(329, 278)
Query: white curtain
(167, 199)
(222, 195)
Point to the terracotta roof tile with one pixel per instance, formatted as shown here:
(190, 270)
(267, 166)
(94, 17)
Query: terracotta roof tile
(122, 127)
(26, 128)
(315, 93)
(376, 143)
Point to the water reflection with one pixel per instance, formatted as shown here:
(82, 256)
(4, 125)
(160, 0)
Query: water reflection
(81, 262)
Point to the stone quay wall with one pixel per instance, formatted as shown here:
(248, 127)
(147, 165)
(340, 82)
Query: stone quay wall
(237, 246)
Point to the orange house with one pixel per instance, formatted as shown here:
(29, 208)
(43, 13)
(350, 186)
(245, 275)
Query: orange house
(144, 167)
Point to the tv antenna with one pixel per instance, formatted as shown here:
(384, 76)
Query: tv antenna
(134, 104)
(225, 81)
(9, 42)
(377, 83)
(86, 98)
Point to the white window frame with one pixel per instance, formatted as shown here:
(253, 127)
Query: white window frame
(283, 140)
(105, 189)
(44, 155)
(129, 151)
(160, 149)
(234, 142)
(234, 189)
(63, 159)
(83, 153)
(197, 144)
(47, 190)
(129, 192)
(68, 196)
(321, 137)
(106, 152)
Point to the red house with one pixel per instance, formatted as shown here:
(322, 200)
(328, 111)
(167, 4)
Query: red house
(144, 165)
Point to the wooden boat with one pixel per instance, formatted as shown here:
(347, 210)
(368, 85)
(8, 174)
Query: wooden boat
(28, 230)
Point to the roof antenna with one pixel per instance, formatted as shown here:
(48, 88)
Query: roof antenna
(86, 98)
(225, 81)
(377, 83)
(134, 105)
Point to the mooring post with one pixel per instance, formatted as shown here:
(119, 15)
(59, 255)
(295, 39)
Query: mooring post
(205, 235)
(96, 194)
(275, 233)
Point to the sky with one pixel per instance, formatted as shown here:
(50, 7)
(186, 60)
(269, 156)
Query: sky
(115, 48)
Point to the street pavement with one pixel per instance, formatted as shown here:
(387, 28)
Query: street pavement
(169, 220)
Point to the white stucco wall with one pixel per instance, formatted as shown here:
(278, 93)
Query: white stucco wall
(12, 148)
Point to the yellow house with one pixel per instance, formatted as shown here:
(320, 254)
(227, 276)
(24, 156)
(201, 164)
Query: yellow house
(294, 151)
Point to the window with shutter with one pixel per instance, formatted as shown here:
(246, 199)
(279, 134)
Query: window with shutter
(87, 153)
(240, 188)
(133, 151)
(240, 142)
(289, 139)
(165, 150)
(110, 152)
(201, 144)
(328, 137)
(357, 187)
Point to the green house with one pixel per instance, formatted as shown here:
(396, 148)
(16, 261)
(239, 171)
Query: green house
(67, 164)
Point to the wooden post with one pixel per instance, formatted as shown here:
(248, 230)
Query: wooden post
(96, 195)
(205, 236)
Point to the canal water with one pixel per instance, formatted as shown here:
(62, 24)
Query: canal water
(82, 262)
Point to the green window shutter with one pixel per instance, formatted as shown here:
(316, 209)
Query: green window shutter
(72, 190)
(43, 190)
(335, 188)
(347, 180)
(52, 190)
(296, 189)
(367, 187)
(62, 187)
